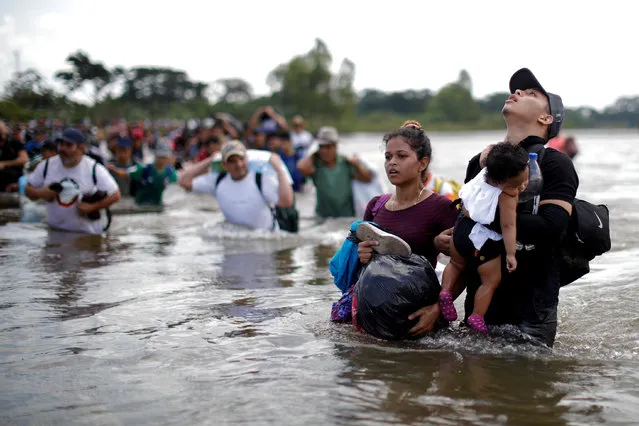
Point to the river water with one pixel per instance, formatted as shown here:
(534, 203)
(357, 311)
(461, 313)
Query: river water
(178, 318)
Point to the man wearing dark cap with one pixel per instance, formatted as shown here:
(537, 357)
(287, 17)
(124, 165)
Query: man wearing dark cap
(67, 180)
(49, 149)
(34, 146)
(122, 165)
(528, 297)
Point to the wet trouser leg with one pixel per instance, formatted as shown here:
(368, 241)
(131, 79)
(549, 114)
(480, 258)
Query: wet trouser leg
(541, 324)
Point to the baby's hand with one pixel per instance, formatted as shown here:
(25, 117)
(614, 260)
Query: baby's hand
(511, 262)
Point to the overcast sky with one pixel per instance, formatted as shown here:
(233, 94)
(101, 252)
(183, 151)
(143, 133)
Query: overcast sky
(587, 53)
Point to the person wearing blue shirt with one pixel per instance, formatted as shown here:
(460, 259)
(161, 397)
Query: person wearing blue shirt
(281, 143)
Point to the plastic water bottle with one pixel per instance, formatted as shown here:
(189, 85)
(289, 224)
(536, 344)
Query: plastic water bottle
(30, 211)
(22, 184)
(535, 180)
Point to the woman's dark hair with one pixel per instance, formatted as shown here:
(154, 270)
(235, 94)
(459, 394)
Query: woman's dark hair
(505, 161)
(414, 135)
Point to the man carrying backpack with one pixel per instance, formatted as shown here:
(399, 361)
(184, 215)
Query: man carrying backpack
(528, 297)
(245, 197)
(75, 187)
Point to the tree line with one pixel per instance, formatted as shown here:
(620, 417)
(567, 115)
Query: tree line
(303, 85)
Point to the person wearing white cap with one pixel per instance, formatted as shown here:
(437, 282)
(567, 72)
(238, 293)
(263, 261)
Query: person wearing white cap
(332, 175)
(300, 137)
(245, 197)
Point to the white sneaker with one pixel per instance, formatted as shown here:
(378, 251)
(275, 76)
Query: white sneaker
(388, 243)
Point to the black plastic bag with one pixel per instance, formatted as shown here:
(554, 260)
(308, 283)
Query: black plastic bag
(389, 289)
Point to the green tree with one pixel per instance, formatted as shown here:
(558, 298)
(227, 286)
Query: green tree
(11, 111)
(465, 81)
(493, 102)
(160, 92)
(407, 102)
(83, 70)
(28, 90)
(160, 85)
(454, 104)
(581, 117)
(625, 111)
(305, 84)
(343, 94)
(232, 90)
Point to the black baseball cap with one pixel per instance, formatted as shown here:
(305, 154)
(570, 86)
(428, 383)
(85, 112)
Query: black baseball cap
(50, 145)
(73, 136)
(525, 79)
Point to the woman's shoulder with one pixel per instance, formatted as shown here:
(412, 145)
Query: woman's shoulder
(370, 207)
(373, 200)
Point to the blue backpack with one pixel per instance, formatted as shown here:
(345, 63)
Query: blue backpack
(344, 265)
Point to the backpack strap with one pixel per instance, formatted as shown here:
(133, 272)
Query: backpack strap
(258, 182)
(107, 211)
(380, 202)
(108, 214)
(46, 169)
(95, 178)
(538, 149)
(219, 178)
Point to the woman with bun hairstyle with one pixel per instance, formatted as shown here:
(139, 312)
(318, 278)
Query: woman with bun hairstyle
(415, 214)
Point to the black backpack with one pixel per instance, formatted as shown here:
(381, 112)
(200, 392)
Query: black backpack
(287, 217)
(587, 236)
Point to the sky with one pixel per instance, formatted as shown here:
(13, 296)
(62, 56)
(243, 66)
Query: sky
(586, 53)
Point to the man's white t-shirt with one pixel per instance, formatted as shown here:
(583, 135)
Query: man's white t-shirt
(62, 212)
(240, 200)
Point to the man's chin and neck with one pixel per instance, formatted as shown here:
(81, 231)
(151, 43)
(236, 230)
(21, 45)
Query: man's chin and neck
(518, 128)
(238, 176)
(70, 163)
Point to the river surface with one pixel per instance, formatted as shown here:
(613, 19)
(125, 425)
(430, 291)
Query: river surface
(179, 318)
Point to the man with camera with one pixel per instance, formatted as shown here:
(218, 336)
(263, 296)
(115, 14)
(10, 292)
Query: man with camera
(75, 187)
